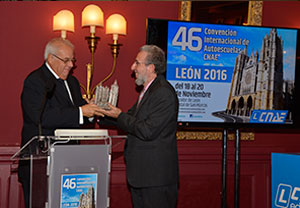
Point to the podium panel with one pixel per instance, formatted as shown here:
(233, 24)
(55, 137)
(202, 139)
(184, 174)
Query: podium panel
(285, 180)
(66, 174)
(79, 176)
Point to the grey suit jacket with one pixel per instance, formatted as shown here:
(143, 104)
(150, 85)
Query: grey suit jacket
(151, 147)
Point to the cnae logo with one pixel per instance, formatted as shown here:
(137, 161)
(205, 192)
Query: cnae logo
(287, 196)
(268, 116)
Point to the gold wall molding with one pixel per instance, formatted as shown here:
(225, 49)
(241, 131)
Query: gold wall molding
(185, 10)
(255, 9)
(212, 135)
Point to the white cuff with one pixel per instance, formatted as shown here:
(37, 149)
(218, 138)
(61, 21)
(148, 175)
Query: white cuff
(80, 116)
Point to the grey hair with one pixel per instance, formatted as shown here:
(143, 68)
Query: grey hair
(155, 56)
(54, 44)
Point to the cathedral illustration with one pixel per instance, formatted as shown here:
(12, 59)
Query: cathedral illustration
(87, 200)
(257, 81)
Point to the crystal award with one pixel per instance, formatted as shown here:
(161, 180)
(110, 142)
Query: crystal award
(104, 95)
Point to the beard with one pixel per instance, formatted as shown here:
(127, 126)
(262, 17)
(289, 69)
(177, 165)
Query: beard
(140, 80)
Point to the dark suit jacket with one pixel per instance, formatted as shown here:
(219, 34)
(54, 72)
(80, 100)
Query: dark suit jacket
(59, 111)
(151, 146)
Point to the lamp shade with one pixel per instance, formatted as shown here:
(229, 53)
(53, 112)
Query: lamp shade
(63, 20)
(116, 24)
(92, 15)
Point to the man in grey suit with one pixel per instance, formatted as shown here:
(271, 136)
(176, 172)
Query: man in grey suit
(151, 148)
(51, 99)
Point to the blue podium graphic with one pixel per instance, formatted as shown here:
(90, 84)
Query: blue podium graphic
(285, 180)
(78, 190)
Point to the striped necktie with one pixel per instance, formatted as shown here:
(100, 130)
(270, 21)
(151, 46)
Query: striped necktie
(141, 96)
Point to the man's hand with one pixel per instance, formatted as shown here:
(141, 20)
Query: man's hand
(90, 101)
(113, 112)
(91, 109)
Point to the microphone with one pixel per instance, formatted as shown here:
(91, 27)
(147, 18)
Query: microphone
(48, 92)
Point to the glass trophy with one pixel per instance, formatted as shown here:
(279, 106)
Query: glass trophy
(104, 95)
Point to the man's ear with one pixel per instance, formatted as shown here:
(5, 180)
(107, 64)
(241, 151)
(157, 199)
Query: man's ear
(50, 58)
(152, 68)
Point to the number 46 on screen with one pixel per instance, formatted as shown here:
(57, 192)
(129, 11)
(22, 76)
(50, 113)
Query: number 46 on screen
(188, 41)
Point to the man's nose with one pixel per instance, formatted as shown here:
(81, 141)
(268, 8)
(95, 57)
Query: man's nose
(70, 64)
(132, 67)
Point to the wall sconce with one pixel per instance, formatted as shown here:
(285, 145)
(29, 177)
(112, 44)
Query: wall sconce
(115, 25)
(92, 16)
(63, 21)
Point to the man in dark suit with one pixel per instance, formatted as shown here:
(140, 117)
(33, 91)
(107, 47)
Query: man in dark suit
(151, 149)
(51, 99)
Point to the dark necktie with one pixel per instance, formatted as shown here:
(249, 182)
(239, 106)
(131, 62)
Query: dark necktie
(65, 91)
(141, 96)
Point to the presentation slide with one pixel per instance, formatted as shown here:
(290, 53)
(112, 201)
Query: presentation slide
(235, 74)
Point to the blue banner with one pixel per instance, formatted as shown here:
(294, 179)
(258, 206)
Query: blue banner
(285, 180)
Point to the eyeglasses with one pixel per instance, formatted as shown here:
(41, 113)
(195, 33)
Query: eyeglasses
(136, 62)
(66, 60)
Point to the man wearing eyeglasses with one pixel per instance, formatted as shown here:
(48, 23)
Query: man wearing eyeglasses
(150, 149)
(51, 99)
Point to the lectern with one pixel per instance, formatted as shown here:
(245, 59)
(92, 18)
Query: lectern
(67, 174)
